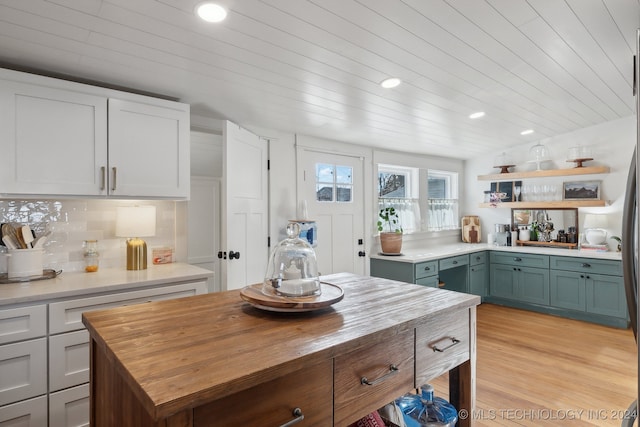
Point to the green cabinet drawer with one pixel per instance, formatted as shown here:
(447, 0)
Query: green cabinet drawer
(431, 281)
(586, 265)
(453, 262)
(478, 258)
(520, 259)
(426, 269)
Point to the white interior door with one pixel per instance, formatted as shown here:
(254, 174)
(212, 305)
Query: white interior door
(204, 226)
(245, 215)
(332, 185)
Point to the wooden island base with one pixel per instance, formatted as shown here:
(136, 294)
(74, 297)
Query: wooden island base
(214, 360)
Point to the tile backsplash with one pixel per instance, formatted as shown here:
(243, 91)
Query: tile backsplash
(71, 222)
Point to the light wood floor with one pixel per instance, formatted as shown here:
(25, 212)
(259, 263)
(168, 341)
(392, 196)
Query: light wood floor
(540, 370)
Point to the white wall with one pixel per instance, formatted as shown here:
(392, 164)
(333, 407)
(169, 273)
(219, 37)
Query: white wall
(612, 144)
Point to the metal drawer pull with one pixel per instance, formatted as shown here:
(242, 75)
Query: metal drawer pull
(299, 416)
(454, 262)
(454, 341)
(427, 268)
(393, 369)
(517, 259)
(103, 178)
(115, 171)
(586, 265)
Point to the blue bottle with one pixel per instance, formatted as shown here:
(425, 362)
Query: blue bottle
(425, 410)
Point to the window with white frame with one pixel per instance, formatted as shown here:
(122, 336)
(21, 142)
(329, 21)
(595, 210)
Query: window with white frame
(334, 183)
(442, 200)
(398, 188)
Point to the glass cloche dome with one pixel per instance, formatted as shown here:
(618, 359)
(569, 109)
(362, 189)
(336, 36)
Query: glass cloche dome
(293, 269)
(538, 154)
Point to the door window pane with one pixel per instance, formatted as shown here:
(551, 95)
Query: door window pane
(324, 193)
(334, 183)
(344, 175)
(344, 193)
(324, 173)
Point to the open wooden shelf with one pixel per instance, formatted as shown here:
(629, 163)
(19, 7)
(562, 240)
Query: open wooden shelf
(586, 170)
(548, 204)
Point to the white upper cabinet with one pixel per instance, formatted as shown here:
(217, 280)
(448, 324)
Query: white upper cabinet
(148, 149)
(60, 138)
(53, 141)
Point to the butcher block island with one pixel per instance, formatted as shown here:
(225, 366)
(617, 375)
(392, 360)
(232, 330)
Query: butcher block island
(216, 360)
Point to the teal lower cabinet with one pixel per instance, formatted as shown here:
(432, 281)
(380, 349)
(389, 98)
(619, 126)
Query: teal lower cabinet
(479, 276)
(513, 278)
(589, 289)
(580, 288)
(453, 273)
(422, 273)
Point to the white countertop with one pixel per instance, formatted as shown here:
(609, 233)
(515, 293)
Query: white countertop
(104, 280)
(415, 255)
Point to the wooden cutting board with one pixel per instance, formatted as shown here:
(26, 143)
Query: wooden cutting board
(471, 232)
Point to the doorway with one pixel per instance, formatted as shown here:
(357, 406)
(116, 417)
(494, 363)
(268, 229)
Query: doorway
(333, 187)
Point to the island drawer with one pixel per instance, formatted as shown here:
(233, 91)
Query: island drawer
(275, 402)
(426, 269)
(586, 265)
(441, 344)
(372, 376)
(478, 258)
(453, 262)
(23, 323)
(520, 259)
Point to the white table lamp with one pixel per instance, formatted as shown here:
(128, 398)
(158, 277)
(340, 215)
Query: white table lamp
(594, 229)
(134, 222)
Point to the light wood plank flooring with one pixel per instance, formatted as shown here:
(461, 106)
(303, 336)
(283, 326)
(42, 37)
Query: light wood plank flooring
(540, 370)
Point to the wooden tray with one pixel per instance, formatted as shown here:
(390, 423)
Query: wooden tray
(46, 274)
(331, 294)
(546, 244)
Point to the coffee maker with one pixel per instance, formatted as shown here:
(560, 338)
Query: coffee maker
(503, 234)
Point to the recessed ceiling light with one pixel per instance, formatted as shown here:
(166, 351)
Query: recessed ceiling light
(476, 115)
(211, 12)
(390, 82)
(526, 132)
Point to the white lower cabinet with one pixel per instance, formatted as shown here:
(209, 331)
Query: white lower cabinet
(70, 407)
(23, 370)
(28, 413)
(68, 360)
(29, 371)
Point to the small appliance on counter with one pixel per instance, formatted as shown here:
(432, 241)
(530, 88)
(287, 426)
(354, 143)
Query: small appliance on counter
(502, 234)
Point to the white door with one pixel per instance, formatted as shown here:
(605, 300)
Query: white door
(245, 215)
(332, 185)
(204, 226)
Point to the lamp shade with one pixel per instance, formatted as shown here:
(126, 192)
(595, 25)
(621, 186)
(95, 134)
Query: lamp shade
(136, 221)
(595, 221)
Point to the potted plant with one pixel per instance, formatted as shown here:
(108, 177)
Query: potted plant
(391, 239)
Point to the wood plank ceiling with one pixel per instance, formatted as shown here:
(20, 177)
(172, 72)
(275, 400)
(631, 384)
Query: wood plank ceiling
(314, 66)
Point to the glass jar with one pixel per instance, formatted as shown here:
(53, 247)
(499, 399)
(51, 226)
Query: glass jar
(91, 256)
